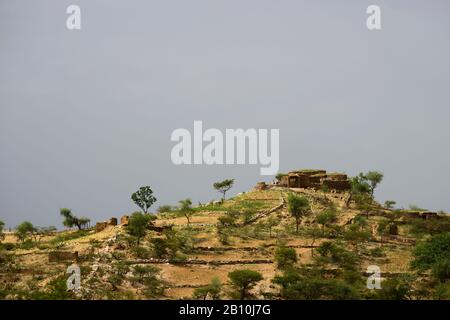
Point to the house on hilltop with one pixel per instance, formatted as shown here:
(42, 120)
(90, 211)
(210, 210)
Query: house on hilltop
(316, 179)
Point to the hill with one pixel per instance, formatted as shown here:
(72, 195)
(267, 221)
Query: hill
(343, 235)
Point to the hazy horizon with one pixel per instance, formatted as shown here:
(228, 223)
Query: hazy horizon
(86, 115)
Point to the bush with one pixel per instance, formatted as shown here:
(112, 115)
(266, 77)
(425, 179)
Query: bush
(433, 254)
(164, 208)
(148, 277)
(301, 285)
(243, 281)
(331, 252)
(212, 290)
(141, 252)
(398, 288)
(285, 257)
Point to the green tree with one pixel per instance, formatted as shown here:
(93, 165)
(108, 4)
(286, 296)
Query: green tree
(144, 198)
(24, 231)
(433, 254)
(149, 278)
(389, 204)
(212, 290)
(298, 207)
(243, 281)
(224, 186)
(71, 221)
(325, 218)
(300, 284)
(2, 235)
(185, 209)
(358, 186)
(374, 178)
(271, 223)
(398, 288)
(138, 225)
(285, 257)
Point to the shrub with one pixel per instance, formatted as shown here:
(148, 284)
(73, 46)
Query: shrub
(433, 254)
(285, 257)
(243, 281)
(138, 224)
(212, 290)
(301, 285)
(148, 277)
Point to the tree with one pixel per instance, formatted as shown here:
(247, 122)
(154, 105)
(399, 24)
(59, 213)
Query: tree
(244, 280)
(186, 209)
(149, 278)
(433, 254)
(144, 198)
(212, 290)
(272, 222)
(71, 221)
(298, 206)
(300, 284)
(389, 204)
(25, 230)
(223, 186)
(2, 235)
(285, 257)
(358, 186)
(138, 223)
(325, 218)
(374, 178)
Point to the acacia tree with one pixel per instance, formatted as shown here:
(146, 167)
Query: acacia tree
(24, 231)
(138, 223)
(223, 186)
(243, 281)
(144, 198)
(186, 209)
(325, 218)
(374, 178)
(298, 207)
(71, 221)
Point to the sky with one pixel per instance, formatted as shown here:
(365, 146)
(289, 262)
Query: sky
(86, 115)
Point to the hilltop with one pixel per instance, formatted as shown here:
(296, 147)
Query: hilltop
(342, 235)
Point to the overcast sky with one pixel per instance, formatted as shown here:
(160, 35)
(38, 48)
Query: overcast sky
(86, 115)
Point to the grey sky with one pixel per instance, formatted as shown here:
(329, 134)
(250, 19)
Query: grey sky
(86, 116)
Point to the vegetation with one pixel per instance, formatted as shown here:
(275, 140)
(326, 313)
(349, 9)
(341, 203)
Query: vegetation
(2, 235)
(138, 224)
(72, 221)
(144, 198)
(298, 207)
(185, 209)
(433, 254)
(212, 290)
(285, 257)
(223, 186)
(243, 281)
